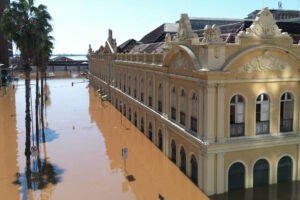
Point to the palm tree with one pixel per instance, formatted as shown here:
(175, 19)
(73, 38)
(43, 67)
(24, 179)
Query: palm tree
(42, 54)
(26, 25)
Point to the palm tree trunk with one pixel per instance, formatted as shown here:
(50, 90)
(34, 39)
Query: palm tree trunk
(37, 134)
(42, 103)
(27, 125)
(27, 110)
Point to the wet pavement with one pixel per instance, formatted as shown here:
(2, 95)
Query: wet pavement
(81, 158)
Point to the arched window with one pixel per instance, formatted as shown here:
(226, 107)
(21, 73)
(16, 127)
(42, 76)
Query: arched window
(237, 116)
(261, 173)
(129, 85)
(121, 107)
(160, 140)
(182, 108)
(135, 87)
(150, 131)
(194, 169)
(120, 82)
(236, 176)
(159, 98)
(150, 94)
(124, 111)
(124, 84)
(129, 114)
(286, 112)
(117, 104)
(194, 112)
(182, 160)
(262, 114)
(173, 151)
(284, 170)
(142, 125)
(135, 119)
(142, 90)
(173, 104)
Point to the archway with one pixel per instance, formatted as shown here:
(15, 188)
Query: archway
(284, 170)
(194, 170)
(236, 176)
(182, 160)
(261, 173)
(150, 131)
(173, 151)
(160, 140)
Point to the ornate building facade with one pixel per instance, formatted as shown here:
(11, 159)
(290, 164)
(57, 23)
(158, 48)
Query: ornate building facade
(227, 114)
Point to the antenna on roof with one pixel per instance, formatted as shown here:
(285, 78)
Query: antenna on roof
(279, 5)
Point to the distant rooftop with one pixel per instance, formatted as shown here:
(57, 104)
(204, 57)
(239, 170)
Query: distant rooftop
(152, 42)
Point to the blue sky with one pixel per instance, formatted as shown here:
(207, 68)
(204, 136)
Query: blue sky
(78, 23)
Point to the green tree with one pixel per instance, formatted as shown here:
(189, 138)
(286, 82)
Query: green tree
(27, 26)
(42, 55)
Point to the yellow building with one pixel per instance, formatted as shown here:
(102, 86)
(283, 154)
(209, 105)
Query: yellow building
(227, 114)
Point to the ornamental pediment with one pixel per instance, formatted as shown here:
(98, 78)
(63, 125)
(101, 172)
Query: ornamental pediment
(265, 62)
(180, 62)
(264, 26)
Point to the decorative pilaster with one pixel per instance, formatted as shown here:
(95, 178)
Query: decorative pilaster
(221, 110)
(201, 112)
(298, 163)
(166, 97)
(209, 169)
(200, 170)
(166, 141)
(220, 173)
(209, 113)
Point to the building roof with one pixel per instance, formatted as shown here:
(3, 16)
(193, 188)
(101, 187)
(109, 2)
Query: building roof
(126, 46)
(148, 48)
(287, 20)
(158, 34)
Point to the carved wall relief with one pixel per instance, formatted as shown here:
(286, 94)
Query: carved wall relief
(266, 62)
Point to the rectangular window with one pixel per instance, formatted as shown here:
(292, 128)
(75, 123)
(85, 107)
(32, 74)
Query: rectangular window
(134, 93)
(173, 113)
(194, 124)
(142, 97)
(182, 118)
(150, 101)
(159, 106)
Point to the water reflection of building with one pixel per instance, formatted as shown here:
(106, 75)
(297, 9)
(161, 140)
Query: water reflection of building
(8, 146)
(223, 107)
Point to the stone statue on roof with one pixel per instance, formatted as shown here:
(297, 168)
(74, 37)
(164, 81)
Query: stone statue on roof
(185, 29)
(212, 34)
(264, 26)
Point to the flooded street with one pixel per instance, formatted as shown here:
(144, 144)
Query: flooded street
(81, 158)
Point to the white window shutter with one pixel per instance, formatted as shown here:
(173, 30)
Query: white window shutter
(239, 113)
(264, 111)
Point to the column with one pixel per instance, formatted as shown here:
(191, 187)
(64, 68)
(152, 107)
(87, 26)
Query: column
(200, 170)
(220, 173)
(209, 113)
(221, 103)
(154, 92)
(298, 164)
(166, 140)
(209, 177)
(166, 96)
(201, 112)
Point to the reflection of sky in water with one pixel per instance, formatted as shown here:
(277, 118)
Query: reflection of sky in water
(83, 145)
(50, 135)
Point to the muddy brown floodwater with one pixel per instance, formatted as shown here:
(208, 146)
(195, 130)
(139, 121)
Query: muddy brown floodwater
(81, 158)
